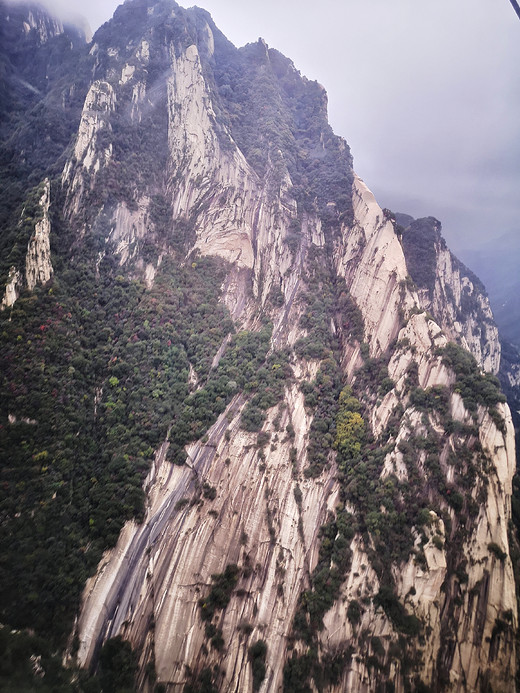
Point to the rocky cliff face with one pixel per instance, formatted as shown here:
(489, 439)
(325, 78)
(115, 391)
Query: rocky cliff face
(160, 570)
(14, 280)
(451, 292)
(38, 264)
(33, 21)
(342, 519)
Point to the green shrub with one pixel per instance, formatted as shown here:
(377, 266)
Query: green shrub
(497, 551)
(257, 654)
(252, 418)
(474, 387)
(203, 682)
(208, 491)
(117, 666)
(220, 594)
(296, 673)
(354, 612)
(402, 621)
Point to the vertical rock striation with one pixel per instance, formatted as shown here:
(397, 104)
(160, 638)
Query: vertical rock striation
(38, 263)
(38, 266)
(152, 586)
(359, 526)
(14, 281)
(453, 294)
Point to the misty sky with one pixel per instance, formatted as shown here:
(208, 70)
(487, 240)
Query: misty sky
(426, 92)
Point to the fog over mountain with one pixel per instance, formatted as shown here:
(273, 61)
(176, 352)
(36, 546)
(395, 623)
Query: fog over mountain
(427, 95)
(497, 263)
(257, 430)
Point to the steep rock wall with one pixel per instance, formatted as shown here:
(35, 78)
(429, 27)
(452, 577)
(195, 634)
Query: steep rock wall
(447, 289)
(44, 26)
(463, 310)
(266, 512)
(462, 650)
(14, 281)
(371, 260)
(89, 156)
(254, 522)
(149, 587)
(302, 244)
(38, 266)
(233, 213)
(221, 204)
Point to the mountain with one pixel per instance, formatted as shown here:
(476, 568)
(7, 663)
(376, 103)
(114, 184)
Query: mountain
(497, 264)
(252, 433)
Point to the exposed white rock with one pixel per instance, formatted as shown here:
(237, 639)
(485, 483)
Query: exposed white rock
(194, 146)
(13, 420)
(143, 52)
(97, 591)
(138, 100)
(89, 155)
(45, 26)
(492, 579)
(149, 275)
(253, 522)
(421, 336)
(127, 74)
(421, 588)
(14, 281)
(233, 213)
(100, 101)
(513, 375)
(371, 260)
(463, 311)
(487, 595)
(208, 39)
(38, 266)
(128, 228)
(148, 588)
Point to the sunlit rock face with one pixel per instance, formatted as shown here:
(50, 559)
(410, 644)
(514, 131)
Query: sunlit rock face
(14, 280)
(187, 147)
(370, 258)
(38, 265)
(38, 262)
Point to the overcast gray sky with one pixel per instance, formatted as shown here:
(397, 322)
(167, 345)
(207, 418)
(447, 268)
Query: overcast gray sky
(426, 92)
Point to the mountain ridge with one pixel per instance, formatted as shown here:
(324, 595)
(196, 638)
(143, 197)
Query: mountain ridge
(215, 258)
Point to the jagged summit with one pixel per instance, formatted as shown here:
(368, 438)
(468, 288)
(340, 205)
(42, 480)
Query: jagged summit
(255, 439)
